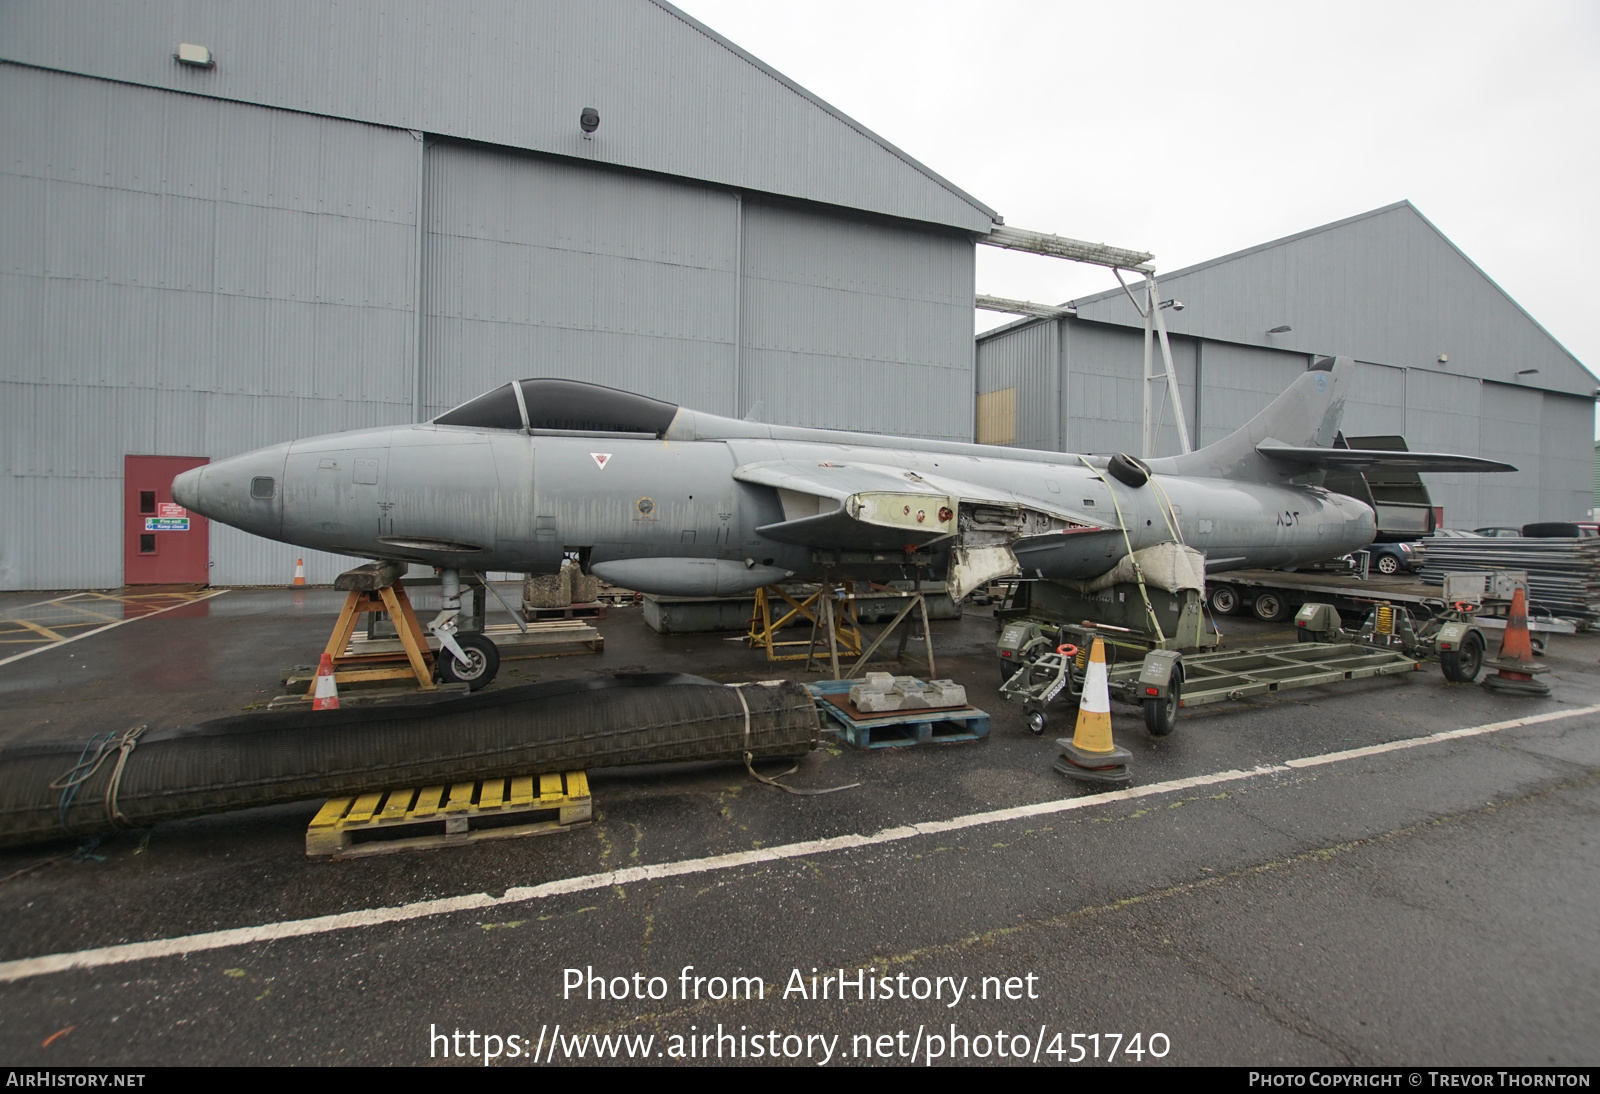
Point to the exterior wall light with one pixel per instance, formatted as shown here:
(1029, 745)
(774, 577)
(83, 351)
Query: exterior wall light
(194, 56)
(589, 121)
(1285, 329)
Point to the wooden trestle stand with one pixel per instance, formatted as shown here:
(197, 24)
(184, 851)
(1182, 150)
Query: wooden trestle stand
(376, 587)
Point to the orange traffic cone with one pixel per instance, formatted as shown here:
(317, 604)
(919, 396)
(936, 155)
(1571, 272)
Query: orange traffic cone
(1092, 755)
(1516, 664)
(299, 571)
(327, 693)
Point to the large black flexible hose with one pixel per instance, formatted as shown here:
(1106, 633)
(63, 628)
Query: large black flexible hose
(283, 756)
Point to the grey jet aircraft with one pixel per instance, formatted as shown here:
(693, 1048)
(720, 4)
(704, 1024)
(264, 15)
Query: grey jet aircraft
(668, 500)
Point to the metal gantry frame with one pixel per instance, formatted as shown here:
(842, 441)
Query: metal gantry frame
(1117, 259)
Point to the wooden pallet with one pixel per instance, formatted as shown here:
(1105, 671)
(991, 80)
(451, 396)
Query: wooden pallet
(385, 821)
(551, 638)
(898, 728)
(595, 609)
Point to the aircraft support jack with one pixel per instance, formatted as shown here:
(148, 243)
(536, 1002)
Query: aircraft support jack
(376, 587)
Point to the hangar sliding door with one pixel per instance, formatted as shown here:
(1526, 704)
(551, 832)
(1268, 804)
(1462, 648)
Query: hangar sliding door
(539, 266)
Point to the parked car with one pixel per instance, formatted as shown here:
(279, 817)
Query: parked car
(1499, 533)
(1454, 533)
(1391, 558)
(1558, 529)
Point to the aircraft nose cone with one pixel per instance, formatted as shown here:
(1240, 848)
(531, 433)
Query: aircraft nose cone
(186, 488)
(245, 491)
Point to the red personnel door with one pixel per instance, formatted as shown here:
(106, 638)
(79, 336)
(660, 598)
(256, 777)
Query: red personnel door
(162, 543)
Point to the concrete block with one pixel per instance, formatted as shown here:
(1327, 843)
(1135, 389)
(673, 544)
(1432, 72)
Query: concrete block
(547, 590)
(875, 702)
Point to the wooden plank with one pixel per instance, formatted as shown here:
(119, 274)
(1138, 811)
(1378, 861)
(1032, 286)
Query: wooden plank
(369, 848)
(493, 794)
(550, 788)
(428, 800)
(326, 841)
(332, 811)
(577, 784)
(397, 805)
(460, 797)
(409, 632)
(356, 676)
(364, 807)
(342, 630)
(522, 790)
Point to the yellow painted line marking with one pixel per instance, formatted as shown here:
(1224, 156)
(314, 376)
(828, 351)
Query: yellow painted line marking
(23, 968)
(92, 615)
(46, 631)
(107, 627)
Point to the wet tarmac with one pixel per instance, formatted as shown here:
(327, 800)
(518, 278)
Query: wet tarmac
(1429, 904)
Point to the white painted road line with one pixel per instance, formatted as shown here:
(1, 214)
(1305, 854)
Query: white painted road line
(107, 627)
(26, 967)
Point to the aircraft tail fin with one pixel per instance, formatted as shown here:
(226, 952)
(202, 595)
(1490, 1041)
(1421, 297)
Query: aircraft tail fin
(1306, 415)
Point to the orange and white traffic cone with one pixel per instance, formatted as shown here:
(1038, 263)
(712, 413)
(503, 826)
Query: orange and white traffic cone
(1516, 664)
(327, 693)
(1092, 755)
(299, 571)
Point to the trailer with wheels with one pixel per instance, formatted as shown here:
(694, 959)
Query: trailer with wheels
(1164, 682)
(1273, 596)
(1040, 666)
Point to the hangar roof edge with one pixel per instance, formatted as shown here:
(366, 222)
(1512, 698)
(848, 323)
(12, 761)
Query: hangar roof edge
(1099, 307)
(675, 98)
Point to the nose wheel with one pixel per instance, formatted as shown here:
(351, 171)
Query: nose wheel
(483, 661)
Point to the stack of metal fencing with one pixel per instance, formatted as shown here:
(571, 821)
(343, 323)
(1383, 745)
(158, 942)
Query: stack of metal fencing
(1563, 574)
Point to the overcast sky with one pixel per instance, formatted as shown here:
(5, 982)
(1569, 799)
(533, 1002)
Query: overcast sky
(1194, 129)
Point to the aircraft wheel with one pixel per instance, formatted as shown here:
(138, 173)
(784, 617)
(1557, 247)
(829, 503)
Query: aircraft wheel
(1161, 715)
(1129, 470)
(1224, 599)
(1462, 666)
(483, 661)
(1270, 607)
(1388, 564)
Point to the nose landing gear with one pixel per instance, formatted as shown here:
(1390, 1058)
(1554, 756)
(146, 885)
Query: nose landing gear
(469, 659)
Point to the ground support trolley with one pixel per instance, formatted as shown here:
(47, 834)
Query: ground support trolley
(1165, 681)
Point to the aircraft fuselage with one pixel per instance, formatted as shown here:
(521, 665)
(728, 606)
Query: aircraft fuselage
(673, 516)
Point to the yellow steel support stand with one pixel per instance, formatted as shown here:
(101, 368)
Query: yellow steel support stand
(844, 633)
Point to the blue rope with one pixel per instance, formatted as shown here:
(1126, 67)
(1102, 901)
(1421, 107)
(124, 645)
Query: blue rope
(79, 774)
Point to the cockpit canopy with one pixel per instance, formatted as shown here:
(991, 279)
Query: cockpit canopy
(563, 405)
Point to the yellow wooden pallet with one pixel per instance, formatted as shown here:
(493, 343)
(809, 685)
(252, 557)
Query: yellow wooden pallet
(446, 816)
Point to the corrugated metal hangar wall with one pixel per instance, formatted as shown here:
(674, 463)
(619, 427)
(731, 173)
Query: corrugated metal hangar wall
(366, 214)
(1445, 359)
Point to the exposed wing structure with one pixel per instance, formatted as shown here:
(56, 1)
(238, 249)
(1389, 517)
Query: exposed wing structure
(874, 507)
(1365, 459)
